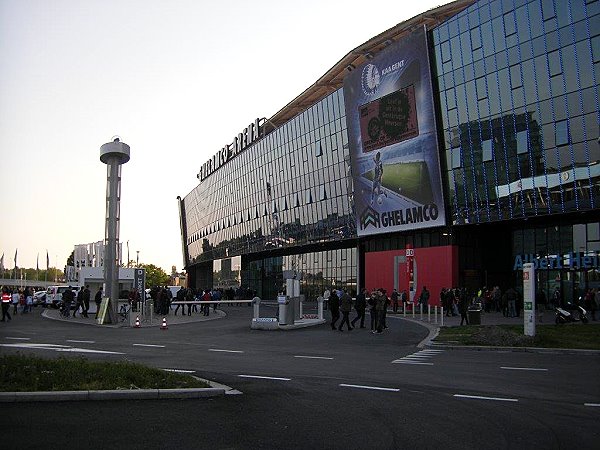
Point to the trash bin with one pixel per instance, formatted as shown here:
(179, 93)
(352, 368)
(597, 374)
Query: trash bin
(474, 316)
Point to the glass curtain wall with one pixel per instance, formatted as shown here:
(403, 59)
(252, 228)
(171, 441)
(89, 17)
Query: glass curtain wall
(287, 190)
(518, 83)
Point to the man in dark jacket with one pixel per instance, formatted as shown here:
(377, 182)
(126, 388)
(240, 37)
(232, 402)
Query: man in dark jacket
(360, 306)
(334, 307)
(86, 301)
(345, 307)
(79, 303)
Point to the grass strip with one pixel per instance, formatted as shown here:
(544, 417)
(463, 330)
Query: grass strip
(20, 373)
(577, 336)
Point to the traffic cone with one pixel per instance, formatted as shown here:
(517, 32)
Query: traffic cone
(137, 322)
(164, 324)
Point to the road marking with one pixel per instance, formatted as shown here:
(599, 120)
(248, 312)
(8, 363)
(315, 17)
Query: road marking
(148, 345)
(478, 397)
(60, 348)
(224, 351)
(593, 405)
(412, 363)
(524, 368)
(86, 350)
(418, 357)
(179, 370)
(19, 338)
(264, 378)
(81, 342)
(312, 357)
(373, 388)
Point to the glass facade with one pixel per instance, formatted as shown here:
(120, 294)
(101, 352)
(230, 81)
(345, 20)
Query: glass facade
(287, 191)
(518, 92)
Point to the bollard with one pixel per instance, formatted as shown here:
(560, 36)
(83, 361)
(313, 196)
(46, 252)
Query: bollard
(421, 311)
(404, 309)
(320, 301)
(435, 312)
(442, 316)
(256, 303)
(412, 306)
(300, 306)
(429, 313)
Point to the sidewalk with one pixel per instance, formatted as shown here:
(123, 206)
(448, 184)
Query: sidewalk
(172, 319)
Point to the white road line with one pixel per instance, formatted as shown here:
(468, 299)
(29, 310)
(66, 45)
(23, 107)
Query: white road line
(412, 363)
(18, 338)
(224, 351)
(264, 378)
(179, 370)
(86, 350)
(81, 342)
(373, 388)
(478, 397)
(312, 357)
(148, 345)
(593, 405)
(524, 368)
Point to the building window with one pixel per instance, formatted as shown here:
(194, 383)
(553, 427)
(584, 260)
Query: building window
(522, 146)
(481, 89)
(455, 155)
(554, 63)
(309, 198)
(487, 150)
(509, 24)
(318, 149)
(322, 192)
(562, 133)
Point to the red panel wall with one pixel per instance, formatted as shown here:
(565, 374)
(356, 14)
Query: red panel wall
(436, 267)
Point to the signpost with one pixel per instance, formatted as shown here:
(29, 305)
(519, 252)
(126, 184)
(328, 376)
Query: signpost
(103, 310)
(529, 299)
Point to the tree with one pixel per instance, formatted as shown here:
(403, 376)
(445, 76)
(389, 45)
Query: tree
(71, 259)
(155, 276)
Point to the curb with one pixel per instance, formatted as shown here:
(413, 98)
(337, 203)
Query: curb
(119, 394)
(564, 351)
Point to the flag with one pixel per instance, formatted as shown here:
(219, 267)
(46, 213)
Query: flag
(37, 262)
(47, 260)
(16, 257)
(2, 262)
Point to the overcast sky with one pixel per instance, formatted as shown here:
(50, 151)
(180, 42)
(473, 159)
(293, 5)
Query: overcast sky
(176, 80)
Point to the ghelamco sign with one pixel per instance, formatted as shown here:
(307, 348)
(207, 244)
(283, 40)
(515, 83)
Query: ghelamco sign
(571, 260)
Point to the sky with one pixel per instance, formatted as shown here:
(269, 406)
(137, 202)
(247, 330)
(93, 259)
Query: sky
(175, 80)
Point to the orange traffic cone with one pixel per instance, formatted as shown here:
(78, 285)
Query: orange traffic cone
(164, 324)
(137, 322)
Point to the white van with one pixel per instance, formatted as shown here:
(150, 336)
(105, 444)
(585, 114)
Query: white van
(54, 294)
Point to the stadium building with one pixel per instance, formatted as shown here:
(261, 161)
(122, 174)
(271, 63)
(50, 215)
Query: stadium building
(446, 151)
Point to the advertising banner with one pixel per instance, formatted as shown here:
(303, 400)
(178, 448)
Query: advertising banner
(393, 140)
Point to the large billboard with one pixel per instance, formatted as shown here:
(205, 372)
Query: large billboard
(393, 140)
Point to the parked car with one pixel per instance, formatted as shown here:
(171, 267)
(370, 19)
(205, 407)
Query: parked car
(54, 295)
(39, 298)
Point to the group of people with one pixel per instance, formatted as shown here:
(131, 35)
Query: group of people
(18, 298)
(377, 301)
(163, 297)
(81, 298)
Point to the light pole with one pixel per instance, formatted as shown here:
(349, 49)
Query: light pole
(137, 261)
(113, 154)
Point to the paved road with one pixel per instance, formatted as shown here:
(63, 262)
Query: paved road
(313, 388)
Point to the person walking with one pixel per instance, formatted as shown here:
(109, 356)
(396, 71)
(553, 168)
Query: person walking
(345, 308)
(67, 298)
(79, 302)
(360, 305)
(86, 301)
(424, 298)
(372, 301)
(28, 297)
(98, 300)
(394, 298)
(6, 298)
(511, 297)
(380, 307)
(180, 297)
(334, 307)
(16, 298)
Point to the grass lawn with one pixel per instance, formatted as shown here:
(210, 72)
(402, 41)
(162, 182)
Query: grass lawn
(19, 373)
(578, 336)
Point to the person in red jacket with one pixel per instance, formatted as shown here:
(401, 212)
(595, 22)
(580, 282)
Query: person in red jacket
(6, 297)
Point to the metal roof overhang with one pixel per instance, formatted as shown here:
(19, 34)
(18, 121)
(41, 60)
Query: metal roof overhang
(334, 77)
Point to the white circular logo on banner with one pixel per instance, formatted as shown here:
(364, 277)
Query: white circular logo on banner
(371, 78)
